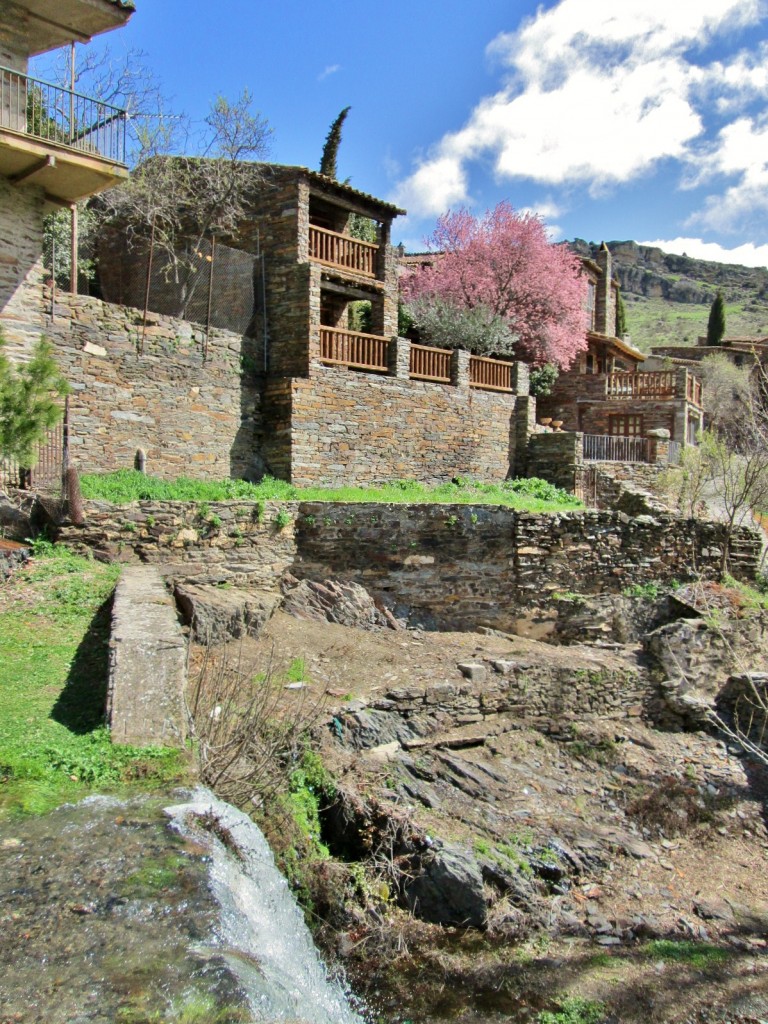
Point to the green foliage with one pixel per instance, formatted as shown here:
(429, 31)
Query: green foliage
(478, 329)
(153, 876)
(621, 317)
(282, 519)
(543, 379)
(716, 322)
(574, 1010)
(533, 495)
(28, 405)
(331, 146)
(53, 652)
(686, 951)
(57, 244)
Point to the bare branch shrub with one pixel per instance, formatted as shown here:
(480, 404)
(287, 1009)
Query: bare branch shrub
(249, 730)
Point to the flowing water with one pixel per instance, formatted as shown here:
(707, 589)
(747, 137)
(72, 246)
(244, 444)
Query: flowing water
(136, 913)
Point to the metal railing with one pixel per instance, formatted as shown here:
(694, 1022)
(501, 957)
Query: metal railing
(490, 374)
(349, 348)
(429, 363)
(608, 448)
(337, 250)
(44, 111)
(50, 462)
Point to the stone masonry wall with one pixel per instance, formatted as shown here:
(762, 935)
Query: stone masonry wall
(14, 47)
(191, 415)
(367, 428)
(453, 566)
(21, 267)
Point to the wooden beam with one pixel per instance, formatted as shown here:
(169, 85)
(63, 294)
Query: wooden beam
(348, 291)
(39, 165)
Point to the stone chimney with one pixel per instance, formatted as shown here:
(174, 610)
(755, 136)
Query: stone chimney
(605, 299)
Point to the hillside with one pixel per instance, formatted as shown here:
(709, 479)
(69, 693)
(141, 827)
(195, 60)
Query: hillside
(668, 297)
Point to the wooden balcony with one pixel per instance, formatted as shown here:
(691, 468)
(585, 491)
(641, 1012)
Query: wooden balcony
(490, 374)
(71, 145)
(354, 350)
(427, 363)
(663, 385)
(333, 249)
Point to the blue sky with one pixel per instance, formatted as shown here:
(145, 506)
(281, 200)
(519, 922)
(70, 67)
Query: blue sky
(637, 119)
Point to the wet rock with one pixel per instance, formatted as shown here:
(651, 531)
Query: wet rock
(448, 888)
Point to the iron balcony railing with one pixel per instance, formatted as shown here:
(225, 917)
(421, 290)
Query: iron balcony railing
(30, 106)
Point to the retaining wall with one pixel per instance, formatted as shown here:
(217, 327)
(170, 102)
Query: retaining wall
(452, 566)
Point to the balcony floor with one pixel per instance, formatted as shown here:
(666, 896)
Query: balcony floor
(72, 175)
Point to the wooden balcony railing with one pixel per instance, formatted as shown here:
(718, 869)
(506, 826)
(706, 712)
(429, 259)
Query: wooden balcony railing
(430, 364)
(693, 390)
(490, 374)
(641, 385)
(336, 250)
(662, 385)
(357, 351)
(605, 448)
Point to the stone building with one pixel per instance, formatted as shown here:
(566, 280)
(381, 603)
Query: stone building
(607, 394)
(56, 147)
(338, 404)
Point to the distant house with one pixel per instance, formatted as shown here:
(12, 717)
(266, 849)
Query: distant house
(56, 147)
(607, 393)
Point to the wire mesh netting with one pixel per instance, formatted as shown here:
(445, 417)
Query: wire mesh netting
(204, 282)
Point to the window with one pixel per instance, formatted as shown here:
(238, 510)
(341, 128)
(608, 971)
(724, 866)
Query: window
(625, 425)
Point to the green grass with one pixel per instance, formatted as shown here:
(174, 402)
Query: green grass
(686, 951)
(54, 626)
(657, 321)
(532, 495)
(574, 1010)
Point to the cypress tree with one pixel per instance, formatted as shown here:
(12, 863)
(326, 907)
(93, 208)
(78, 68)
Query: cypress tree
(331, 146)
(716, 323)
(621, 317)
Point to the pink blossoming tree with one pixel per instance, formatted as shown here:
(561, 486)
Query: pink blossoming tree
(501, 269)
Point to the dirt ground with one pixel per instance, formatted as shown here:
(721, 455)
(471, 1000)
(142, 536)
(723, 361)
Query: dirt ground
(669, 830)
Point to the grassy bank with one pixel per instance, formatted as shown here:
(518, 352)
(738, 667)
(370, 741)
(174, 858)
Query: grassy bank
(532, 495)
(54, 630)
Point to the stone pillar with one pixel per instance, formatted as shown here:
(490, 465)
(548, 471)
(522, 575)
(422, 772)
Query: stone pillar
(605, 302)
(399, 358)
(521, 378)
(522, 426)
(460, 368)
(658, 446)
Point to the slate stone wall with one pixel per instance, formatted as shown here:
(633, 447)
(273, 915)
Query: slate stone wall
(367, 428)
(188, 408)
(455, 566)
(21, 267)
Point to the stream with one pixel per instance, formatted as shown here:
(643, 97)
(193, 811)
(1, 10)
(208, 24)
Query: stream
(137, 912)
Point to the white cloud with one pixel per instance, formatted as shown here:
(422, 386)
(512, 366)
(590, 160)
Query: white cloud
(590, 101)
(748, 255)
(741, 152)
(331, 69)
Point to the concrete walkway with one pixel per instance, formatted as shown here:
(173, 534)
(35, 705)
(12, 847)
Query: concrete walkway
(147, 663)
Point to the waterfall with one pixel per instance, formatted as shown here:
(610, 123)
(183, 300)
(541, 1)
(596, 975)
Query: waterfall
(262, 932)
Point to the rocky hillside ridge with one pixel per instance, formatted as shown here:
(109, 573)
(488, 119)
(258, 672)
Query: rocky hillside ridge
(667, 297)
(650, 272)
